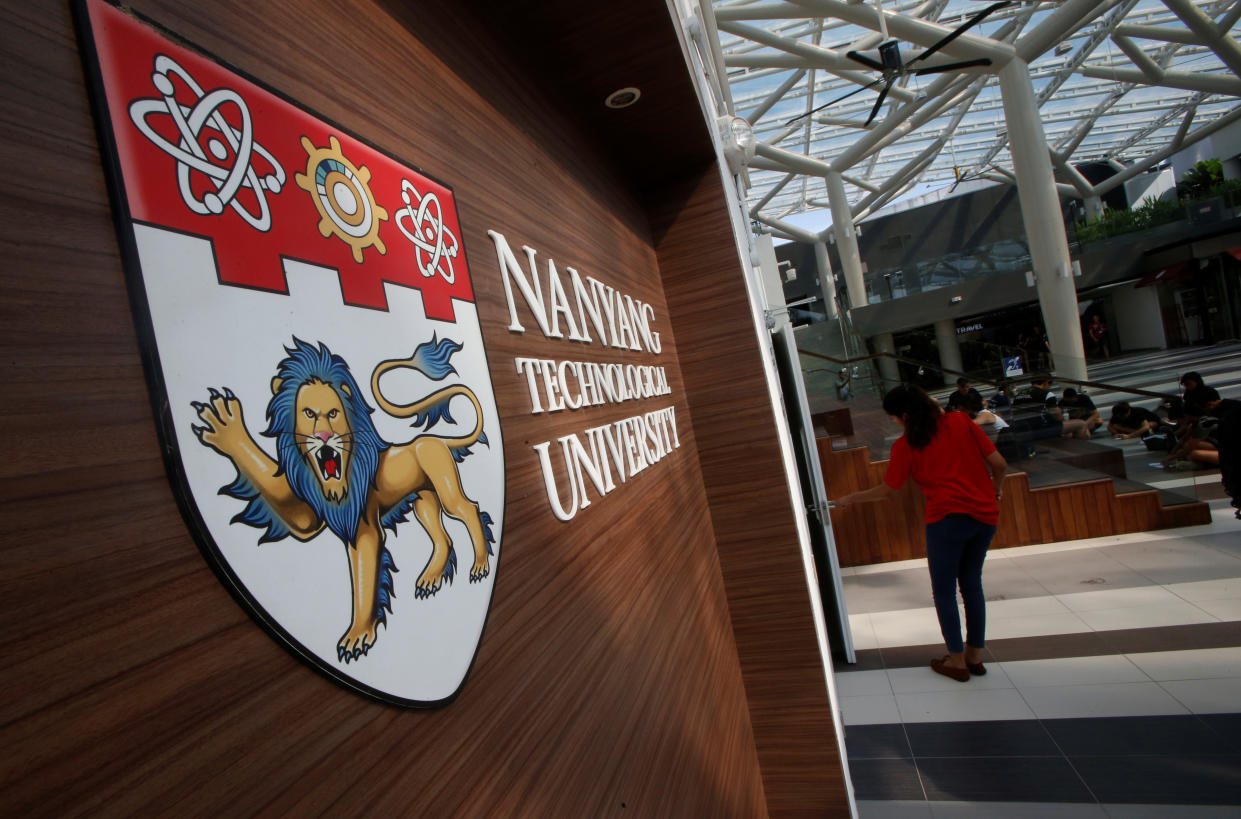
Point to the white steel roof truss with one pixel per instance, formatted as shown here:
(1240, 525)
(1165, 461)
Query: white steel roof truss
(1095, 66)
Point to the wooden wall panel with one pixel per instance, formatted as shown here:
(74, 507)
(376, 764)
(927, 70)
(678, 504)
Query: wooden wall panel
(750, 510)
(609, 680)
(894, 530)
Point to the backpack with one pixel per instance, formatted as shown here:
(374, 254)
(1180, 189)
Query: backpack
(1158, 442)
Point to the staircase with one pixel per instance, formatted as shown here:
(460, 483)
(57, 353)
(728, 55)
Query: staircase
(1073, 494)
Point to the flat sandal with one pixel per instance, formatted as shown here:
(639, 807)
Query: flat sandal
(940, 666)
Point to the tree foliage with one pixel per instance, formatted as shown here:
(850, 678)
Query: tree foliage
(1201, 179)
(1205, 179)
(1151, 213)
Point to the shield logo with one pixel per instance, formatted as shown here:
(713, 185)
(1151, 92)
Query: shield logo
(315, 359)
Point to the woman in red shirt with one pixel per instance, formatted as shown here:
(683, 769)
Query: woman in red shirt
(961, 474)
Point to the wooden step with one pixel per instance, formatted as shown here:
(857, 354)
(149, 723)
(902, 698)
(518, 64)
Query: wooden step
(1088, 504)
(1085, 454)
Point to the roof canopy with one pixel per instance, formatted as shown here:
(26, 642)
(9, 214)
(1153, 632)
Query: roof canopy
(893, 94)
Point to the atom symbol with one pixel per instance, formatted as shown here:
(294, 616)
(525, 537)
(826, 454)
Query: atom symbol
(435, 245)
(205, 118)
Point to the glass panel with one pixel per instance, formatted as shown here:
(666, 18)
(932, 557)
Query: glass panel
(845, 393)
(1004, 256)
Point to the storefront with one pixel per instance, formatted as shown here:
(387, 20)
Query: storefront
(1198, 287)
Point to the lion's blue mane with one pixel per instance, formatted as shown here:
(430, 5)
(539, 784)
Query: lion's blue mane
(306, 364)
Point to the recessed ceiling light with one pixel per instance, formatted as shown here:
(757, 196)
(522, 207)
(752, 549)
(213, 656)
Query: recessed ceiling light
(622, 98)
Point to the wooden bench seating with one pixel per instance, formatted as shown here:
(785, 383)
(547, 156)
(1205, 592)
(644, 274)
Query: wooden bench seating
(1072, 452)
(1085, 504)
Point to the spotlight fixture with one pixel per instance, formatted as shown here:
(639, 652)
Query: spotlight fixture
(739, 144)
(622, 98)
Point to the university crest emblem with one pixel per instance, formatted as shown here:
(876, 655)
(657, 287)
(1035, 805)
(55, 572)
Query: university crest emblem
(315, 360)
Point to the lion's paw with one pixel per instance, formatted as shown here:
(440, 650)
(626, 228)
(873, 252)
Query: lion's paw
(479, 571)
(355, 643)
(428, 584)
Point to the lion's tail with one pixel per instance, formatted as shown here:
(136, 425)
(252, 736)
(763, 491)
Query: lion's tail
(434, 408)
(433, 360)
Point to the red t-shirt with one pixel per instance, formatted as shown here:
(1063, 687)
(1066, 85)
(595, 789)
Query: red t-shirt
(951, 470)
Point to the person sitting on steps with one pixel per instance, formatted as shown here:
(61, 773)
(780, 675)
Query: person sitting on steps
(1079, 407)
(1197, 440)
(1003, 398)
(990, 422)
(1128, 421)
(1040, 390)
(963, 394)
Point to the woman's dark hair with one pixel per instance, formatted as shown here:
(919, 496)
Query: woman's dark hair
(1192, 376)
(919, 411)
(1197, 405)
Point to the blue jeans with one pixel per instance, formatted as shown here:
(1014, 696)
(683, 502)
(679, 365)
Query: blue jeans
(955, 549)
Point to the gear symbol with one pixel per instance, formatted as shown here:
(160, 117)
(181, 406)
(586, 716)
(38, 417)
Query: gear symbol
(342, 195)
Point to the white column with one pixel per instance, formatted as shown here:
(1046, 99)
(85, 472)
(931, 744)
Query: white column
(846, 239)
(888, 371)
(1094, 208)
(949, 347)
(826, 283)
(1040, 211)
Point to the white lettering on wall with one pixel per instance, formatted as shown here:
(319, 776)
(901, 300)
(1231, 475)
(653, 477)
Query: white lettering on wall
(593, 463)
(577, 384)
(620, 320)
(622, 449)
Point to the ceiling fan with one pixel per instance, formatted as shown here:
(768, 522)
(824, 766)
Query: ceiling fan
(893, 68)
(969, 175)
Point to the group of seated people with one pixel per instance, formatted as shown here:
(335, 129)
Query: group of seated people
(1190, 429)
(1189, 435)
(1201, 430)
(1016, 420)
(1198, 426)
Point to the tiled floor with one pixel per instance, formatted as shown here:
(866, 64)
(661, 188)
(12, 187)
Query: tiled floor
(1113, 685)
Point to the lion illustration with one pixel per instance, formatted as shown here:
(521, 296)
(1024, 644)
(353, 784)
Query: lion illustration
(333, 470)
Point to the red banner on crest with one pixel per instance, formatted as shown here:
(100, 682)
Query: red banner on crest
(207, 152)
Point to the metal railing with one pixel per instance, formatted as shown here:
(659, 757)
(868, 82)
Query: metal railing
(1012, 381)
(859, 420)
